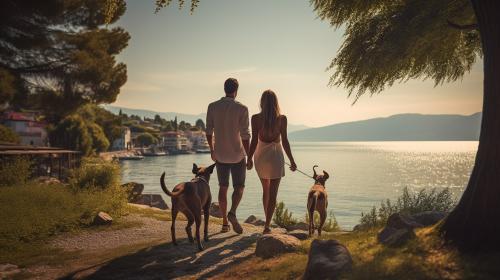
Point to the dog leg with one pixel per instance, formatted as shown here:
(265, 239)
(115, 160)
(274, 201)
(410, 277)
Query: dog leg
(206, 215)
(172, 227)
(190, 222)
(322, 215)
(197, 220)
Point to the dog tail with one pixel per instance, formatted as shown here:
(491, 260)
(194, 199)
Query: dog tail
(164, 187)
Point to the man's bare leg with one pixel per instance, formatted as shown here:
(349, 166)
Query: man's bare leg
(223, 203)
(235, 201)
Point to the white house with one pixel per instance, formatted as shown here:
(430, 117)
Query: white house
(124, 142)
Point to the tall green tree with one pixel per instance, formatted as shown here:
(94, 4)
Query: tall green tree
(392, 41)
(59, 54)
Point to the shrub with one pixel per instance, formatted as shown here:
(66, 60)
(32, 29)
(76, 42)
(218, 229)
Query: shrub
(409, 203)
(282, 217)
(95, 173)
(330, 223)
(8, 135)
(14, 171)
(34, 212)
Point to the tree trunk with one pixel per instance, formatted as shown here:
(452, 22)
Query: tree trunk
(474, 225)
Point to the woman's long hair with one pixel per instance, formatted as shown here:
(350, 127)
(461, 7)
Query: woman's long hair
(269, 109)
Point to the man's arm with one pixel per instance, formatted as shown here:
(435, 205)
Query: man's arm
(244, 130)
(209, 131)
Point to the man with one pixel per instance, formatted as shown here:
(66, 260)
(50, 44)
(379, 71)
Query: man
(227, 121)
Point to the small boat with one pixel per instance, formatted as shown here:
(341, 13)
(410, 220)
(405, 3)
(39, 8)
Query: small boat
(154, 154)
(130, 157)
(202, 151)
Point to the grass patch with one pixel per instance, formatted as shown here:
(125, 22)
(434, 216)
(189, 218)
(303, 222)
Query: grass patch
(425, 257)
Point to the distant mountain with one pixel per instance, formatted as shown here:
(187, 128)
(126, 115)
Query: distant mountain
(191, 118)
(403, 127)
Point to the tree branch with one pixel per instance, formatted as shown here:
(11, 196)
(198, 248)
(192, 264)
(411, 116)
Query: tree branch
(472, 26)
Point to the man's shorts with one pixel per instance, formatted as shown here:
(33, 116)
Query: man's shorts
(237, 170)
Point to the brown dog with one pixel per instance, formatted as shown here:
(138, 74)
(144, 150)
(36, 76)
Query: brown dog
(317, 200)
(190, 198)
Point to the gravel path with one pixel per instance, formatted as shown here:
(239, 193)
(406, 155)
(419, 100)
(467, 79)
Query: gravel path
(162, 260)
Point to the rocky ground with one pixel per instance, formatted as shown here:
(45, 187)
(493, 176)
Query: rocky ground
(145, 251)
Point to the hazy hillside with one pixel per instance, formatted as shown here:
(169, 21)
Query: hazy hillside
(181, 117)
(404, 127)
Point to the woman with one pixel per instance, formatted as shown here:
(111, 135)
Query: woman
(268, 133)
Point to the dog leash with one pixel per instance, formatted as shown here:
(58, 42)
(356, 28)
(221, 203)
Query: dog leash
(300, 171)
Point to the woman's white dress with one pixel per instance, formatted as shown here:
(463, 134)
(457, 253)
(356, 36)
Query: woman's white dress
(269, 159)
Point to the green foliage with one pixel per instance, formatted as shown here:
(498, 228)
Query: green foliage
(409, 203)
(393, 41)
(72, 133)
(330, 223)
(200, 124)
(146, 139)
(165, 3)
(95, 173)
(282, 217)
(14, 171)
(8, 135)
(34, 212)
(7, 86)
(64, 55)
(99, 140)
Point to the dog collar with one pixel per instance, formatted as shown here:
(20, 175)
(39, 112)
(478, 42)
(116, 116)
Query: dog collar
(199, 178)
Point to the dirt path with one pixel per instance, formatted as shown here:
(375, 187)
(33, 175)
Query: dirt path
(146, 252)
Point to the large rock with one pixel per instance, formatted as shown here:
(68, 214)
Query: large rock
(254, 221)
(134, 190)
(102, 218)
(398, 230)
(299, 234)
(429, 218)
(152, 200)
(298, 226)
(327, 260)
(215, 210)
(390, 236)
(270, 245)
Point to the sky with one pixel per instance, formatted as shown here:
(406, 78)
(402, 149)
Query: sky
(177, 62)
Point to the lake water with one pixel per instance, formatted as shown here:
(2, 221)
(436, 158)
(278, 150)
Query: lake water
(362, 174)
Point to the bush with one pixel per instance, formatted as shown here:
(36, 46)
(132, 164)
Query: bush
(409, 203)
(14, 171)
(330, 223)
(8, 135)
(282, 217)
(34, 212)
(95, 173)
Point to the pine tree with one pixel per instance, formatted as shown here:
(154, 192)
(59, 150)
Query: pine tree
(58, 55)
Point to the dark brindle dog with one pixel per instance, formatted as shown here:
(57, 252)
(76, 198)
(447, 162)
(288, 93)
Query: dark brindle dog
(191, 198)
(317, 200)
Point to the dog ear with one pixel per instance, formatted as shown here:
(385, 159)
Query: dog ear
(314, 170)
(325, 175)
(210, 169)
(195, 168)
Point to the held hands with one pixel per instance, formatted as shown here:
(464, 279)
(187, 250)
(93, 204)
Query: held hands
(249, 164)
(293, 166)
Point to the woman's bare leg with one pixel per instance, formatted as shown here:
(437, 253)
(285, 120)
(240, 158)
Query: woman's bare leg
(271, 204)
(265, 194)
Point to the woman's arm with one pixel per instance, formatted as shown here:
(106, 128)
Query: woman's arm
(286, 144)
(253, 143)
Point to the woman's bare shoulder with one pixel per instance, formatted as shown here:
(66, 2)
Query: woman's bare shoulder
(282, 117)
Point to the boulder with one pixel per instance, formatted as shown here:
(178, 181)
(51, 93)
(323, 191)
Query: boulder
(298, 226)
(254, 221)
(102, 218)
(359, 227)
(429, 218)
(299, 234)
(7, 271)
(46, 180)
(390, 236)
(400, 221)
(215, 210)
(134, 190)
(152, 200)
(270, 245)
(327, 260)
(278, 230)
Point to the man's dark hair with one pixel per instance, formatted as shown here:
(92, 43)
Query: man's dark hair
(231, 86)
